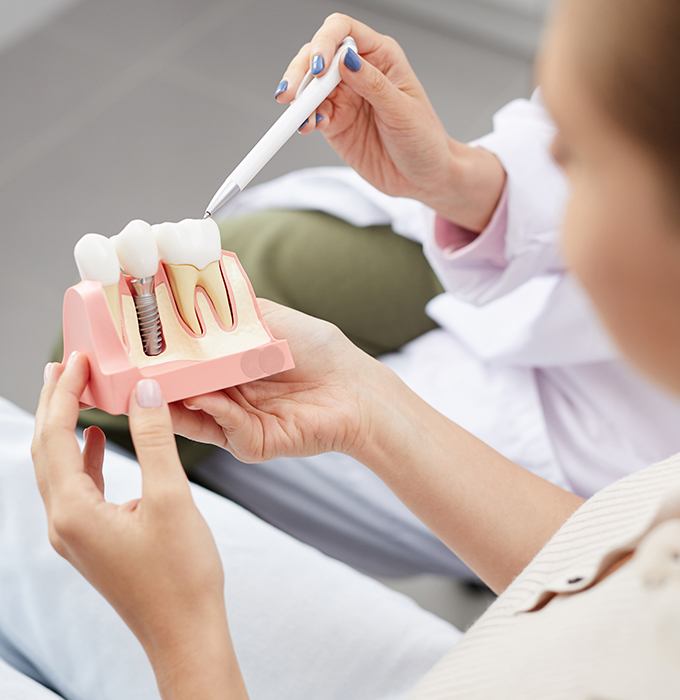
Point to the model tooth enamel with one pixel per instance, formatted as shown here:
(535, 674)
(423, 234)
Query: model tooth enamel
(97, 261)
(137, 251)
(191, 252)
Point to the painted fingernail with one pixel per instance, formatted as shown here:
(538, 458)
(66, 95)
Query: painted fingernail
(149, 393)
(319, 118)
(281, 88)
(47, 373)
(317, 64)
(72, 359)
(352, 61)
(304, 123)
(191, 407)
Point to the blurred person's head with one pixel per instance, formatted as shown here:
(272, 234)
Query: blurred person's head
(610, 73)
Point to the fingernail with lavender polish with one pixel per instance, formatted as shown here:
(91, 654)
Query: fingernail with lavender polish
(281, 88)
(352, 61)
(149, 393)
(317, 64)
(319, 118)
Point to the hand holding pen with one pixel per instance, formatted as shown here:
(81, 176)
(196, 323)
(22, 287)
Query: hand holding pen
(380, 121)
(358, 89)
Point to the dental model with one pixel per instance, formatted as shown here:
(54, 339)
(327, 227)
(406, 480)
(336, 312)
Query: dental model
(97, 261)
(191, 252)
(182, 312)
(138, 256)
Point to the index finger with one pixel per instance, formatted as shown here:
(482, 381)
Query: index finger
(335, 29)
(325, 43)
(51, 374)
(55, 449)
(64, 402)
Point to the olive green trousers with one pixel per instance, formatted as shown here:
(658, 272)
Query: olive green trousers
(370, 282)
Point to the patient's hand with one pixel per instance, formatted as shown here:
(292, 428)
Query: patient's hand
(154, 559)
(380, 122)
(322, 405)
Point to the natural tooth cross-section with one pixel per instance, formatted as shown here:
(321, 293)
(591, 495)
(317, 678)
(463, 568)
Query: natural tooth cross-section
(191, 252)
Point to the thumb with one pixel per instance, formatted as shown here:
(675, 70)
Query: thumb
(368, 82)
(154, 441)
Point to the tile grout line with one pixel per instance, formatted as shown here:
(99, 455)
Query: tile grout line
(129, 78)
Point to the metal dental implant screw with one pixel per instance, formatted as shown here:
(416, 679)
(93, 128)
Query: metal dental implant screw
(148, 317)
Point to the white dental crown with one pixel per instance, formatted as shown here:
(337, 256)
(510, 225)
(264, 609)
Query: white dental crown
(137, 251)
(96, 259)
(190, 242)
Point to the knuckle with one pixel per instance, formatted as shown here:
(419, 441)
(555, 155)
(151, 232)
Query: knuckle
(56, 542)
(153, 435)
(65, 525)
(393, 48)
(36, 447)
(390, 41)
(42, 486)
(332, 333)
(335, 17)
(169, 499)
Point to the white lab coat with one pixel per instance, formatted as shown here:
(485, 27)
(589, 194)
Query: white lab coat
(521, 359)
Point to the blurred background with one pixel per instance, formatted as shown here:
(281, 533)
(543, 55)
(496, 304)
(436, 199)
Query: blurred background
(120, 109)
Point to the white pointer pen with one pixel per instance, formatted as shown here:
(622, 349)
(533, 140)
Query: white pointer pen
(311, 93)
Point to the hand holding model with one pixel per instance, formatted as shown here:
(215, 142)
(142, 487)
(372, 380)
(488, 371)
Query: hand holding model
(325, 405)
(381, 123)
(339, 398)
(171, 596)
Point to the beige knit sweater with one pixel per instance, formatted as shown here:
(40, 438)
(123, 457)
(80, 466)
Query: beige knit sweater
(616, 639)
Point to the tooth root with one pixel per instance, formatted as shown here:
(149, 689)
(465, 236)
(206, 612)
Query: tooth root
(183, 280)
(210, 278)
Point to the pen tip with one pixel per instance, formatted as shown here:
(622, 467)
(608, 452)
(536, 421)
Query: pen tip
(207, 215)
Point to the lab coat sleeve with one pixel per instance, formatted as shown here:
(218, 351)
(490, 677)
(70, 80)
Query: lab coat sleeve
(521, 241)
(512, 272)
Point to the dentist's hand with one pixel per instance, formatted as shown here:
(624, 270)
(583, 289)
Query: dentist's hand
(381, 123)
(154, 558)
(326, 403)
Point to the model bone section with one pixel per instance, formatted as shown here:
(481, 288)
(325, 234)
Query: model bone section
(191, 252)
(97, 261)
(138, 256)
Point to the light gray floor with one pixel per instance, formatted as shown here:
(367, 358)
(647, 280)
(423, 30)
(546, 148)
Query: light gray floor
(138, 108)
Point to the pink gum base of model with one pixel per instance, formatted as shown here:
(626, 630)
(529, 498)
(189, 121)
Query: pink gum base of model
(89, 328)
